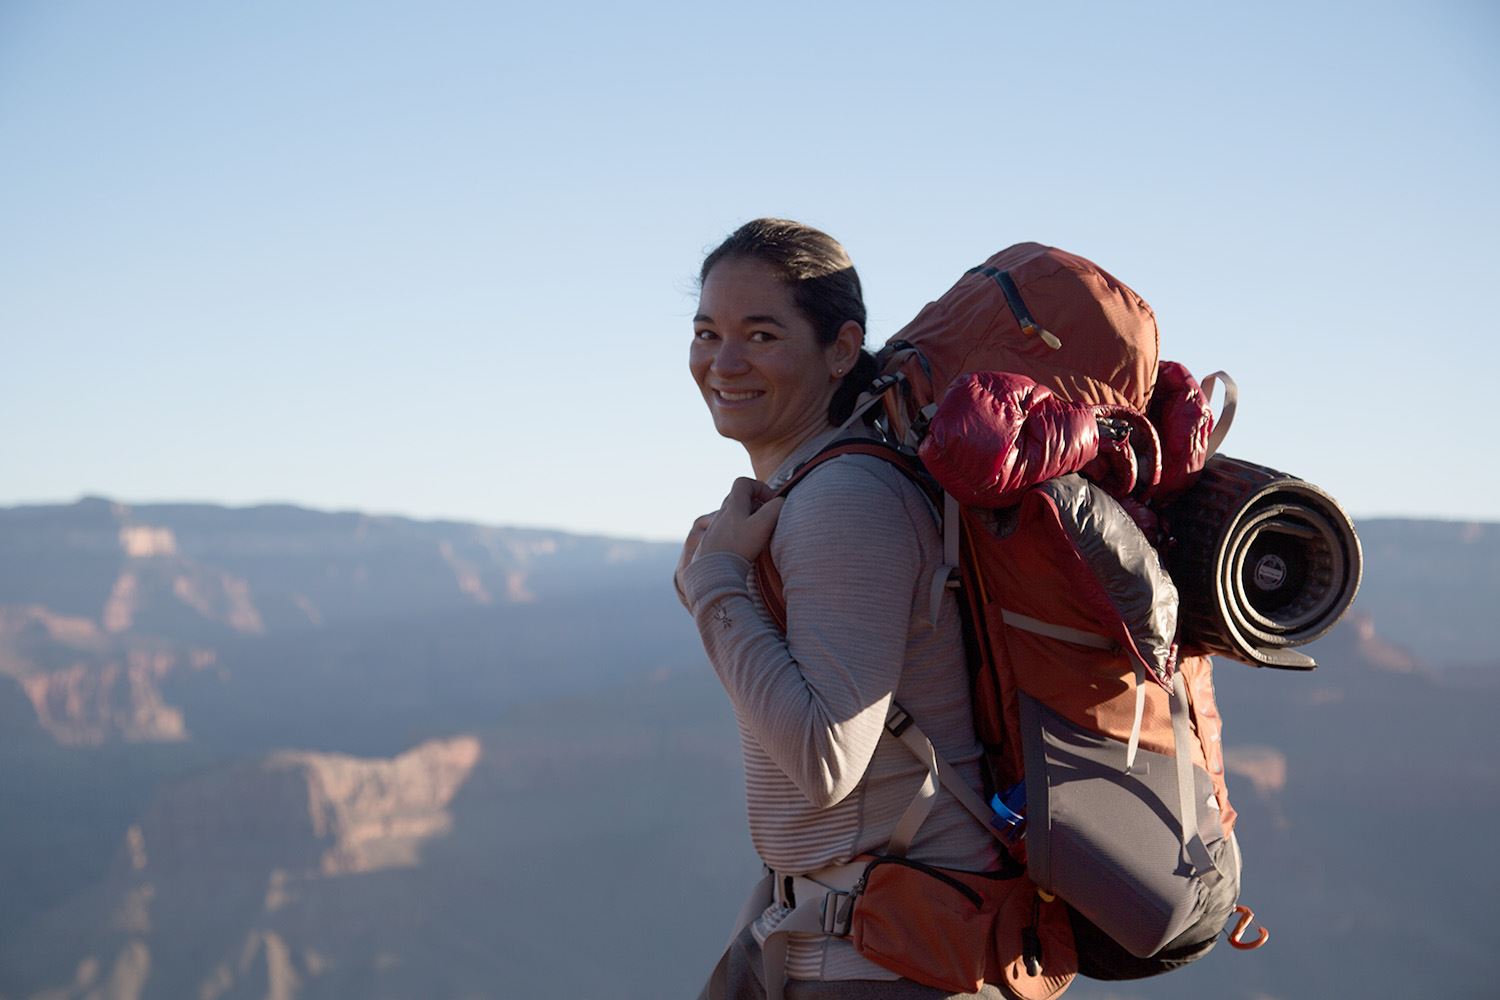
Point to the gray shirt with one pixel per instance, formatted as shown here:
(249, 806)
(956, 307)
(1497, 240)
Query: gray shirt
(857, 547)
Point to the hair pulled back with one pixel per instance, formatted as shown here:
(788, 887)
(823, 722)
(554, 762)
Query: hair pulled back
(825, 289)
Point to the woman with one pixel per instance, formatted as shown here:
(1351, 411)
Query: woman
(777, 354)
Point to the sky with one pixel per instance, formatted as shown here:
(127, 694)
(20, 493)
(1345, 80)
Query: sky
(438, 259)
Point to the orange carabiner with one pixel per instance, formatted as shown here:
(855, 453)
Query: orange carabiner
(1237, 936)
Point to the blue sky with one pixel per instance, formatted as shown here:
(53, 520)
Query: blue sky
(438, 259)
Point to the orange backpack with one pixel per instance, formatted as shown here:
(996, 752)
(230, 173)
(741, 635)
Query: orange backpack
(1106, 773)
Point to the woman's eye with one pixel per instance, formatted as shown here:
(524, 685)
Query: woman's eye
(762, 336)
(704, 335)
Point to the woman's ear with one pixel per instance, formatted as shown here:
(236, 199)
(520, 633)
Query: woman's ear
(844, 350)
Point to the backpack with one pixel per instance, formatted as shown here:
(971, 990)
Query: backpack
(1101, 738)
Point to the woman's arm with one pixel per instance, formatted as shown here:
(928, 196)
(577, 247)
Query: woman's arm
(816, 700)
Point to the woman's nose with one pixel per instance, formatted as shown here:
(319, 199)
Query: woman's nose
(730, 358)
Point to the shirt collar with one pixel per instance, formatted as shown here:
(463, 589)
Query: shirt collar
(811, 447)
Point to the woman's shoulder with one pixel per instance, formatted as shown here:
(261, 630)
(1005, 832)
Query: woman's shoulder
(856, 511)
(862, 486)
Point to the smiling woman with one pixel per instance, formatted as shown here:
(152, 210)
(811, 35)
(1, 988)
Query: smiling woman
(780, 325)
(758, 362)
(777, 354)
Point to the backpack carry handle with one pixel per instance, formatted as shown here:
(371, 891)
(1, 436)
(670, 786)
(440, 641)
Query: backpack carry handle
(1226, 412)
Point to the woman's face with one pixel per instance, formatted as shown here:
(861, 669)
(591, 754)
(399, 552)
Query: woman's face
(755, 357)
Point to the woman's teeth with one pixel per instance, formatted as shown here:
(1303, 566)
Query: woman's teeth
(735, 397)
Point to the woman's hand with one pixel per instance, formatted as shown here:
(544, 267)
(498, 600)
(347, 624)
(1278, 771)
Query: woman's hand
(743, 524)
(690, 549)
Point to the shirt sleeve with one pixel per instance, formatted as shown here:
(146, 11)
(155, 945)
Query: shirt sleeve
(816, 700)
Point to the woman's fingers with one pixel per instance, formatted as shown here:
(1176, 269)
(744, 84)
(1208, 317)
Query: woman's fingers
(748, 495)
(741, 497)
(761, 524)
(696, 532)
(745, 522)
(694, 539)
(760, 492)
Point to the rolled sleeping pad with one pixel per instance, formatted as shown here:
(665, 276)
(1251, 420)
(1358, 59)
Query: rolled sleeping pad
(1263, 562)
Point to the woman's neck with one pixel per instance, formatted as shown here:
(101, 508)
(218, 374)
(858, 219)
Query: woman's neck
(766, 462)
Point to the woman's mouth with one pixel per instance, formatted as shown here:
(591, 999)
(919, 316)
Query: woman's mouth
(736, 396)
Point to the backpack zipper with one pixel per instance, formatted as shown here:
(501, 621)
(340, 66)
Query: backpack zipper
(937, 873)
(1007, 284)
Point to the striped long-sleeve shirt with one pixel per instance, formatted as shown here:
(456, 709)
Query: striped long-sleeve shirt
(857, 547)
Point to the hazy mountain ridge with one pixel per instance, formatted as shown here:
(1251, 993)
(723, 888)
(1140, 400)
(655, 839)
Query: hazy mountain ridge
(303, 567)
(644, 780)
(445, 797)
(102, 605)
(98, 707)
(1430, 583)
(235, 861)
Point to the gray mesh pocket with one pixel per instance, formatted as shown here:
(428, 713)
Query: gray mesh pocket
(1107, 842)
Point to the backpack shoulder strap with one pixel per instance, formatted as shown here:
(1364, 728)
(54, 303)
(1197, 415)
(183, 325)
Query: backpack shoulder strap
(908, 463)
(898, 722)
(767, 579)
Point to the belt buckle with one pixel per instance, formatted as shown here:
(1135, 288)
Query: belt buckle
(838, 912)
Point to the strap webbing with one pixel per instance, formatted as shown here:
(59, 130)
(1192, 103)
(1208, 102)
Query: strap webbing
(823, 901)
(823, 905)
(910, 734)
(1028, 624)
(1226, 414)
(948, 571)
(805, 918)
(1187, 798)
(755, 905)
(921, 804)
(950, 530)
(867, 400)
(913, 438)
(1140, 714)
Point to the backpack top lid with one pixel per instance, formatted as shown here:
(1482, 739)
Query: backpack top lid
(999, 316)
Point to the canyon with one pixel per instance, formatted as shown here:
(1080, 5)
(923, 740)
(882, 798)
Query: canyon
(287, 753)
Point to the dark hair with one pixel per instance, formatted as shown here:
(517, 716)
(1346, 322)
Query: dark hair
(825, 289)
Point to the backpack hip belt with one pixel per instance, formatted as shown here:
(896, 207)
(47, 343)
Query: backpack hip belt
(889, 916)
(820, 902)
